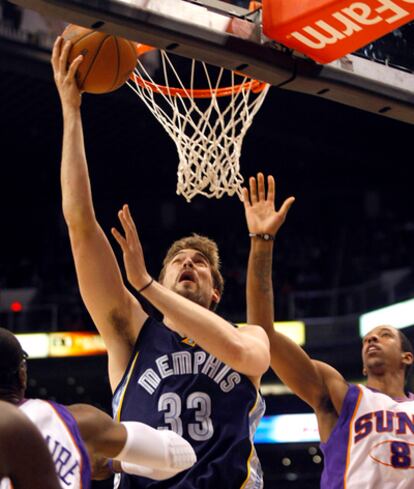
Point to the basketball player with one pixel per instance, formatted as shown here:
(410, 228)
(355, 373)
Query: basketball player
(194, 372)
(367, 432)
(24, 458)
(81, 433)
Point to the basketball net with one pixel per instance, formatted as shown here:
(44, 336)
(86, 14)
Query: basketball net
(207, 125)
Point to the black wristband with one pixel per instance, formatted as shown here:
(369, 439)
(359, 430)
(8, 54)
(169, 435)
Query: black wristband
(145, 286)
(264, 237)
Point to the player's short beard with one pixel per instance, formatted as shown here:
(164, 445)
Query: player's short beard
(376, 367)
(193, 295)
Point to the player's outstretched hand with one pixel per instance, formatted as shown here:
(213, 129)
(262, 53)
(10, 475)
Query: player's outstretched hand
(261, 214)
(131, 247)
(64, 75)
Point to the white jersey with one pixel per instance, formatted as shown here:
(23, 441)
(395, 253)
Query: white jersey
(61, 433)
(372, 444)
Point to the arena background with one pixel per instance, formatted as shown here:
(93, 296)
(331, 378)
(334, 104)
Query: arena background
(345, 249)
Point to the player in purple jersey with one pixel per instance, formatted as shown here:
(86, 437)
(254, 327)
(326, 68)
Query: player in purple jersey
(25, 459)
(81, 435)
(367, 434)
(191, 271)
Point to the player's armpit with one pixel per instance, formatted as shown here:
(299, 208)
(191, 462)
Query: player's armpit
(336, 386)
(116, 313)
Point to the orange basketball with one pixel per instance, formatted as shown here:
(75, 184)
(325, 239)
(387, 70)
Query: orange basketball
(107, 60)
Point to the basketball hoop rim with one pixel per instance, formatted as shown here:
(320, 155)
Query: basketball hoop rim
(255, 86)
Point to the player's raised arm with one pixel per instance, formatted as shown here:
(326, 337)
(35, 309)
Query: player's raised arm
(263, 222)
(293, 366)
(115, 312)
(246, 350)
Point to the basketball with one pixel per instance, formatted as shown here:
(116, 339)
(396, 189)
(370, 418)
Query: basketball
(107, 62)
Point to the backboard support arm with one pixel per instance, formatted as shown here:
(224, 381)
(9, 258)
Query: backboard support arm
(351, 80)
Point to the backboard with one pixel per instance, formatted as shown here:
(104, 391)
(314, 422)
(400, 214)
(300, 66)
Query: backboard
(226, 33)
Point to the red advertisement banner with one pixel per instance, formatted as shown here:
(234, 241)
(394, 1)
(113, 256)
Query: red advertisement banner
(326, 30)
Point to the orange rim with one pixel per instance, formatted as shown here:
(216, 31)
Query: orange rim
(255, 86)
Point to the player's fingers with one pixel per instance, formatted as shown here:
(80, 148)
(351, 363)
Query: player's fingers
(57, 46)
(124, 224)
(120, 240)
(130, 231)
(129, 227)
(271, 188)
(73, 68)
(253, 190)
(245, 197)
(63, 58)
(261, 186)
(287, 204)
(128, 215)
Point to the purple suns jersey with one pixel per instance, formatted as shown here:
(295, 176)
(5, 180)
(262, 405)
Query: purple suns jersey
(172, 383)
(372, 444)
(61, 433)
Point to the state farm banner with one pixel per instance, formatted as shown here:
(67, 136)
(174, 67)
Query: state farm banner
(326, 30)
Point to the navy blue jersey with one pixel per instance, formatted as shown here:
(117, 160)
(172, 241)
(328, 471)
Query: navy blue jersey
(172, 383)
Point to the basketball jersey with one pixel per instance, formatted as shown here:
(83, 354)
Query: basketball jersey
(372, 444)
(62, 436)
(172, 383)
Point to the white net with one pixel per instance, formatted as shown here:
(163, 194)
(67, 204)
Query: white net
(207, 127)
